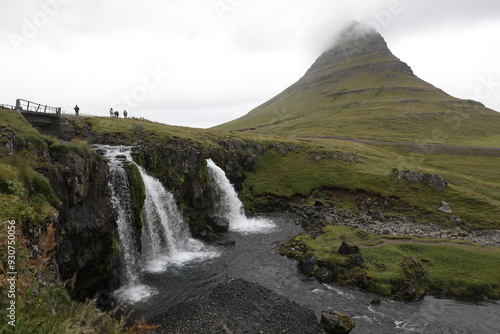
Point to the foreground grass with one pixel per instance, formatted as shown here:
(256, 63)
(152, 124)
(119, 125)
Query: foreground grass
(453, 268)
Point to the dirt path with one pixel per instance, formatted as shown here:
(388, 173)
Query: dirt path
(422, 148)
(392, 241)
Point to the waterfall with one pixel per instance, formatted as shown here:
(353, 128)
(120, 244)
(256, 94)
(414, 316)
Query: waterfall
(228, 205)
(122, 202)
(165, 237)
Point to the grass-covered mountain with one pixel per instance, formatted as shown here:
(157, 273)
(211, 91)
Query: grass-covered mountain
(359, 89)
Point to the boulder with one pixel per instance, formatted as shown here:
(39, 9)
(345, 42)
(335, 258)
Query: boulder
(336, 323)
(225, 242)
(415, 177)
(324, 275)
(348, 248)
(219, 224)
(445, 207)
(414, 286)
(308, 266)
(437, 182)
(355, 260)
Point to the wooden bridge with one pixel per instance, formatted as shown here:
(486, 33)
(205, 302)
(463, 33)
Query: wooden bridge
(45, 118)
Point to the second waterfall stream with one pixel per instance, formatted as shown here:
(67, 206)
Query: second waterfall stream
(228, 205)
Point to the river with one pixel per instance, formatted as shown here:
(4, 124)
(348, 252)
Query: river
(254, 258)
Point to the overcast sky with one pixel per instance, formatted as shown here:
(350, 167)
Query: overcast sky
(200, 63)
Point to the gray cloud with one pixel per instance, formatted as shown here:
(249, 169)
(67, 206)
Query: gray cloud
(220, 63)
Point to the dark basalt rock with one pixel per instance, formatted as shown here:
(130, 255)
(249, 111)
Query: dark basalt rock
(324, 275)
(435, 181)
(308, 266)
(336, 323)
(219, 224)
(87, 221)
(348, 248)
(414, 286)
(225, 242)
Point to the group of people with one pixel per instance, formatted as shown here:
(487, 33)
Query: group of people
(117, 113)
(111, 112)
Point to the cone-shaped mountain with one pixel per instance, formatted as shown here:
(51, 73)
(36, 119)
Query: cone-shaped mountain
(359, 89)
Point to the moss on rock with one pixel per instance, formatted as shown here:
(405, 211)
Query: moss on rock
(138, 196)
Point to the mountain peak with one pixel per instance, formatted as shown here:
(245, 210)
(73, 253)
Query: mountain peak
(358, 47)
(359, 89)
(355, 31)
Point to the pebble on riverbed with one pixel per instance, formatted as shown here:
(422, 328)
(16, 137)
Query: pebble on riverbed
(238, 306)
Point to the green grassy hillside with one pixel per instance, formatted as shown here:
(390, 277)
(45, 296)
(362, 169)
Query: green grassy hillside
(473, 192)
(359, 89)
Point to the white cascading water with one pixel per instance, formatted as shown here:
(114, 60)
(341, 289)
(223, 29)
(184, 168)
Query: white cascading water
(165, 237)
(131, 290)
(228, 205)
(123, 204)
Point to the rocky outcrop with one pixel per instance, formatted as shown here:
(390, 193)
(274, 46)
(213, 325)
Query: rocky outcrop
(219, 224)
(347, 248)
(181, 167)
(86, 247)
(8, 140)
(336, 323)
(414, 285)
(435, 181)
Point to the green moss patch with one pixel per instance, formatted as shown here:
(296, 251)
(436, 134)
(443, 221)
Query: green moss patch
(138, 195)
(391, 265)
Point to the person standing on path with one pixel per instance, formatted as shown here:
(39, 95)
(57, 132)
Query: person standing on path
(77, 110)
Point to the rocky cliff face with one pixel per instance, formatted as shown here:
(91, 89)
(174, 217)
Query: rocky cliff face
(181, 167)
(87, 220)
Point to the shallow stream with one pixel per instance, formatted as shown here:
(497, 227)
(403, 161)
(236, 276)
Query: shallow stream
(254, 258)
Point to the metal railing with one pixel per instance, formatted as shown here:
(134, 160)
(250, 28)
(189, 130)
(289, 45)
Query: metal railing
(7, 106)
(29, 106)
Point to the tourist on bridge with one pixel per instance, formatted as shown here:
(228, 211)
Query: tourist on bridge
(125, 113)
(77, 110)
